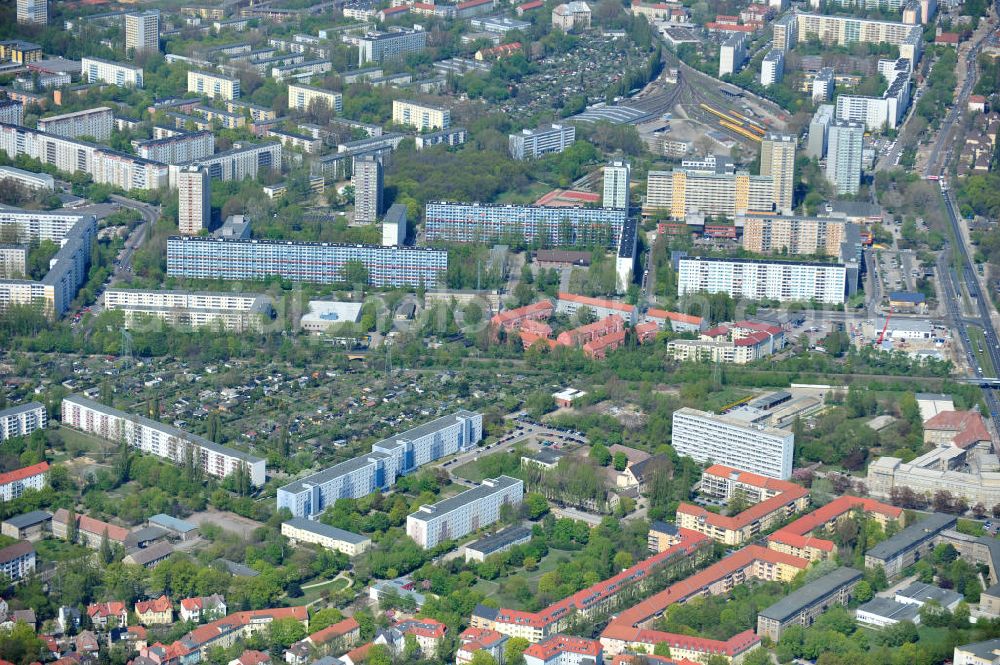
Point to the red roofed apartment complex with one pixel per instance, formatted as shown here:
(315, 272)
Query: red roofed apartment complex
(596, 338)
(13, 483)
(637, 659)
(480, 639)
(564, 650)
(332, 639)
(89, 531)
(204, 608)
(962, 429)
(796, 538)
(108, 615)
(773, 502)
(499, 51)
(624, 638)
(740, 343)
(513, 319)
(472, 8)
(220, 633)
(691, 549)
(529, 6)
(428, 632)
(676, 321)
(570, 303)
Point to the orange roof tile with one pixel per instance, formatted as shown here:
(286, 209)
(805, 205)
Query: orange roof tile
(338, 629)
(564, 644)
(732, 647)
(23, 473)
(161, 604)
(597, 302)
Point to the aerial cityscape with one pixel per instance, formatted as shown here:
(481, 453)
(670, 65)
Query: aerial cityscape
(541, 332)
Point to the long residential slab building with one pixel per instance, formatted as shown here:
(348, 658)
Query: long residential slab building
(846, 30)
(116, 73)
(388, 460)
(734, 442)
(96, 123)
(180, 148)
(757, 279)
(54, 292)
(22, 420)
(237, 312)
(160, 439)
(320, 263)
(482, 222)
(463, 513)
(104, 165)
(684, 191)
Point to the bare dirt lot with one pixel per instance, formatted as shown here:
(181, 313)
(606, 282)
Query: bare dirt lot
(226, 520)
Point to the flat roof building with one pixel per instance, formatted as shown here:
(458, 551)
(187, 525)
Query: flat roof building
(501, 541)
(464, 513)
(906, 547)
(324, 314)
(726, 440)
(759, 279)
(804, 605)
(561, 226)
(22, 420)
(300, 529)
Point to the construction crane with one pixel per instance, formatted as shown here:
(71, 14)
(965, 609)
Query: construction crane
(881, 335)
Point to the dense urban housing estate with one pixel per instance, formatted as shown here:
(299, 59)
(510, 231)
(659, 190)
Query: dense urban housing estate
(160, 439)
(464, 513)
(734, 441)
(757, 279)
(485, 222)
(389, 458)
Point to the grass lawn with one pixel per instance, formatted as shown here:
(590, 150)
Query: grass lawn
(313, 593)
(551, 562)
(979, 348)
(80, 442)
(528, 196)
(52, 549)
(473, 470)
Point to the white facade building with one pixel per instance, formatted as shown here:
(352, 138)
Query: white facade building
(752, 279)
(195, 200)
(823, 85)
(116, 73)
(724, 439)
(13, 483)
(22, 420)
(301, 96)
(616, 185)
(367, 181)
(232, 311)
(142, 31)
(463, 513)
(27, 178)
(383, 46)
(96, 123)
(772, 67)
(531, 143)
(732, 54)
(420, 116)
(379, 469)
(180, 148)
(819, 131)
(394, 225)
(11, 112)
(843, 160)
(301, 530)
(160, 439)
(213, 85)
(33, 12)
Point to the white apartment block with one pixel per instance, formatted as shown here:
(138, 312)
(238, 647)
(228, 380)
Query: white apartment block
(845, 144)
(823, 85)
(301, 96)
(367, 181)
(786, 32)
(766, 234)
(875, 113)
(390, 458)
(33, 12)
(27, 178)
(732, 54)
(383, 46)
(237, 312)
(17, 561)
(114, 73)
(420, 116)
(160, 439)
(240, 163)
(105, 166)
(301, 530)
(725, 439)
(194, 196)
(777, 160)
(683, 192)
(11, 112)
(772, 67)
(13, 483)
(13, 261)
(142, 31)
(22, 420)
(213, 85)
(819, 129)
(845, 30)
(616, 185)
(752, 279)
(96, 123)
(532, 143)
(180, 148)
(306, 144)
(463, 513)
(67, 269)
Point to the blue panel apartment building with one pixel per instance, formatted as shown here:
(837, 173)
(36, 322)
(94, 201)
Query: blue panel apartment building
(388, 460)
(556, 226)
(320, 263)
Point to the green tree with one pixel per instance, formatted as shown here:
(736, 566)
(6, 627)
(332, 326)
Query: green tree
(621, 461)
(379, 655)
(535, 505)
(105, 551)
(513, 651)
(481, 657)
(20, 645)
(325, 618)
(286, 632)
(863, 592)
(622, 560)
(72, 528)
(355, 272)
(539, 403)
(600, 454)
